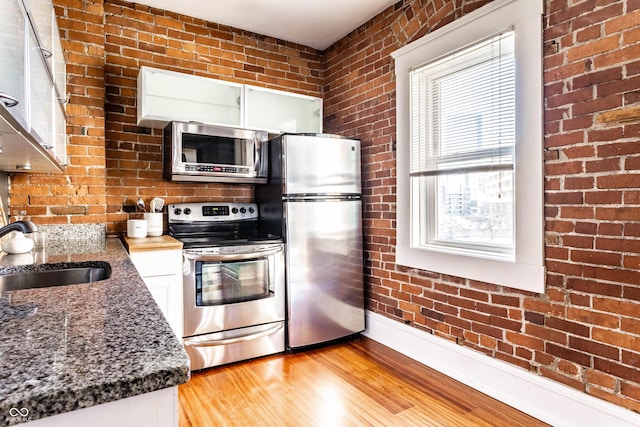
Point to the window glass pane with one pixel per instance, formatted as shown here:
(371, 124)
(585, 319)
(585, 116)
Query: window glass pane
(475, 209)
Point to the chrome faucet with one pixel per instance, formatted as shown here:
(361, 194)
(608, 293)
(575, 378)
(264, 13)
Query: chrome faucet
(24, 226)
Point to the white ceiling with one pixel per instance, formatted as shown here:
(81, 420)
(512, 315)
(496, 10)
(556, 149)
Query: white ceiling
(314, 23)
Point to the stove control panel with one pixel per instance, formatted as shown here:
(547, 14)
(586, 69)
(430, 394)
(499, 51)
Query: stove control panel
(207, 212)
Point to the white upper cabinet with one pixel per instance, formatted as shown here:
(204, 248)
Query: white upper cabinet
(13, 86)
(278, 111)
(41, 14)
(32, 116)
(164, 96)
(41, 95)
(43, 19)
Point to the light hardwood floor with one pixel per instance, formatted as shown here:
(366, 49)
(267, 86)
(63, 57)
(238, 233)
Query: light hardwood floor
(355, 383)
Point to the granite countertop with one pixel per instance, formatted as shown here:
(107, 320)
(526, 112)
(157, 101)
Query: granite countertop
(69, 347)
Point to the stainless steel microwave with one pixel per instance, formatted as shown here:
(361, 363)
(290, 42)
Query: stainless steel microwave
(208, 153)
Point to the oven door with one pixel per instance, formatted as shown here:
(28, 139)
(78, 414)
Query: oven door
(239, 287)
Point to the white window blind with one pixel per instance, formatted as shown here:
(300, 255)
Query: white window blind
(463, 110)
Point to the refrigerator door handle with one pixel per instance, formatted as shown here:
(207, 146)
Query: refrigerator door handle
(316, 197)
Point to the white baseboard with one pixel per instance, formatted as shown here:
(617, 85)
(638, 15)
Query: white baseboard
(542, 398)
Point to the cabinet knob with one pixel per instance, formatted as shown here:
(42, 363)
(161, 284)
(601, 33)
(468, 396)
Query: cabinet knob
(46, 52)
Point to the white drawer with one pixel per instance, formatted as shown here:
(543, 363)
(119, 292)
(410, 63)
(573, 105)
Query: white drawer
(157, 263)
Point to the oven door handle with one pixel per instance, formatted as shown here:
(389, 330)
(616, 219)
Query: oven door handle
(234, 257)
(193, 342)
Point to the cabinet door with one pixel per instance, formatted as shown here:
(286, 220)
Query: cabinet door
(165, 96)
(43, 19)
(167, 292)
(41, 14)
(41, 98)
(13, 59)
(278, 111)
(162, 273)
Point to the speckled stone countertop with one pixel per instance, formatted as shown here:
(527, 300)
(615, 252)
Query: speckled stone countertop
(64, 348)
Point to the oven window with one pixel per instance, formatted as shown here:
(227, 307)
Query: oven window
(231, 281)
(212, 149)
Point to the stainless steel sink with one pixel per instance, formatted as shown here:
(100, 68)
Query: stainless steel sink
(47, 275)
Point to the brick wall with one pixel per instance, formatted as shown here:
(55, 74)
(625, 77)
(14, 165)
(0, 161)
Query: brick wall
(137, 35)
(585, 330)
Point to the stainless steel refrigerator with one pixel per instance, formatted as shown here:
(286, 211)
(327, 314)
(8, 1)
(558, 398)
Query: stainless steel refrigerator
(313, 200)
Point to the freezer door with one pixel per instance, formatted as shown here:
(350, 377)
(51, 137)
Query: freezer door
(320, 165)
(324, 266)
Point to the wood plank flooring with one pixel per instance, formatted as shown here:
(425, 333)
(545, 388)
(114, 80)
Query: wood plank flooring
(355, 383)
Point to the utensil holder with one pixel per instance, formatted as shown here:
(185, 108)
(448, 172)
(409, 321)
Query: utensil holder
(154, 223)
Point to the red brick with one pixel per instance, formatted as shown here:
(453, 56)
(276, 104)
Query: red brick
(594, 48)
(618, 181)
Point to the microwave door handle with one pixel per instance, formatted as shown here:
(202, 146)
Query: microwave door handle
(233, 257)
(192, 342)
(256, 152)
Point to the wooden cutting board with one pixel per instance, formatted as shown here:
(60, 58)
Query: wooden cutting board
(159, 243)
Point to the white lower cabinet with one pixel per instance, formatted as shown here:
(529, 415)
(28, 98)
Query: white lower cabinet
(161, 271)
(155, 409)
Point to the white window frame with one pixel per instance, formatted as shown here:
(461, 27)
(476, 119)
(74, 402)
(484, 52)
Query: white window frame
(525, 270)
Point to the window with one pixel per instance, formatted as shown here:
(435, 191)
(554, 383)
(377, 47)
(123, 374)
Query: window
(470, 147)
(462, 121)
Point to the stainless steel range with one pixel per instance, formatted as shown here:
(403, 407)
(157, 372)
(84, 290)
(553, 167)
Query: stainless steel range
(233, 276)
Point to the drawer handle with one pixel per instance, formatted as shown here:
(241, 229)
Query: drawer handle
(262, 253)
(10, 100)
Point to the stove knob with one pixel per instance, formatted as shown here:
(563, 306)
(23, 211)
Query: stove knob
(187, 211)
(234, 210)
(243, 210)
(251, 210)
(177, 211)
